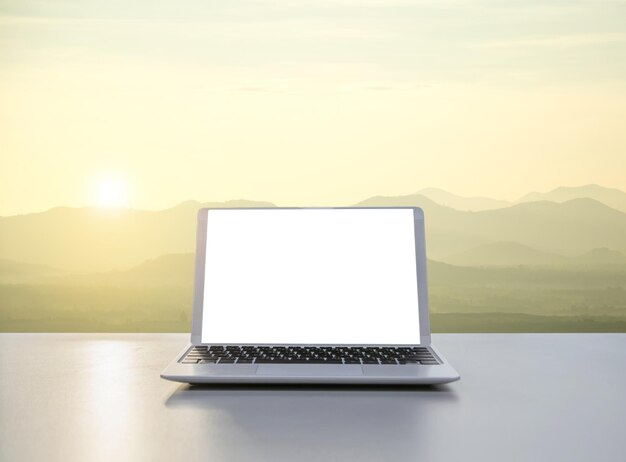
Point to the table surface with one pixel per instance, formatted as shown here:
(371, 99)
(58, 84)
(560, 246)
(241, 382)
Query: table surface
(522, 397)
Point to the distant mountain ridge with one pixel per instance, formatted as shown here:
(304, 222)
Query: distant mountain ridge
(462, 203)
(602, 256)
(93, 239)
(504, 254)
(613, 198)
(513, 254)
(177, 270)
(100, 240)
(14, 272)
(172, 270)
(568, 228)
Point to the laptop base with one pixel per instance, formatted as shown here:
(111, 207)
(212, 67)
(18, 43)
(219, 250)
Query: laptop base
(407, 374)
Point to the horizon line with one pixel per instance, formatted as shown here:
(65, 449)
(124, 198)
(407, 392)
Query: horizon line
(274, 204)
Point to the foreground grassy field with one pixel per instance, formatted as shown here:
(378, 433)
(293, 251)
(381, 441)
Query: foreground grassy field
(462, 300)
(157, 297)
(506, 322)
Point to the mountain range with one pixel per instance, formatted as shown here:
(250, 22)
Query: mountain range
(99, 239)
(614, 198)
(177, 270)
(462, 203)
(13, 272)
(92, 240)
(513, 254)
(569, 228)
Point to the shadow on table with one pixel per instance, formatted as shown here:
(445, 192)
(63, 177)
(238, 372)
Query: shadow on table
(194, 389)
(230, 396)
(210, 396)
(340, 416)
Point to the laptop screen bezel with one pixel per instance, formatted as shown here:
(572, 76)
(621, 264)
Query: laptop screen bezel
(420, 261)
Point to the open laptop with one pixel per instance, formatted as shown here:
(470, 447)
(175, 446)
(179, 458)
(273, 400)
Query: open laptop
(310, 295)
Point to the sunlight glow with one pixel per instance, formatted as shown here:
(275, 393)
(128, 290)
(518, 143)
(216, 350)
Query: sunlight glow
(111, 191)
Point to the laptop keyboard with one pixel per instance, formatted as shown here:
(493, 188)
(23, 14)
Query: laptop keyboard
(308, 355)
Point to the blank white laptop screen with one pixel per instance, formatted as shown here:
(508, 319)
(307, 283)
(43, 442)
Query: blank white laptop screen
(310, 276)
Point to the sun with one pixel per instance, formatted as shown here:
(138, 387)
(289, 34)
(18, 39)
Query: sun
(111, 190)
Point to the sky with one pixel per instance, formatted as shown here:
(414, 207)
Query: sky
(146, 104)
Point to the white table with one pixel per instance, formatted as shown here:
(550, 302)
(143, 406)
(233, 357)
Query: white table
(522, 397)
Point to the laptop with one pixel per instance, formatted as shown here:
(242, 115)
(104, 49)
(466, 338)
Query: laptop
(310, 295)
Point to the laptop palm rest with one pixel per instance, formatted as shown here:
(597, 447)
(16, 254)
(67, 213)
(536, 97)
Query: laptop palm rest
(309, 370)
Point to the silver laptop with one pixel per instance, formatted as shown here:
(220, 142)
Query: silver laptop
(310, 295)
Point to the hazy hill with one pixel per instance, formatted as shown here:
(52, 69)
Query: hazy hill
(504, 254)
(569, 228)
(612, 197)
(513, 254)
(96, 239)
(173, 270)
(457, 202)
(602, 256)
(156, 296)
(441, 240)
(571, 278)
(177, 270)
(13, 272)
